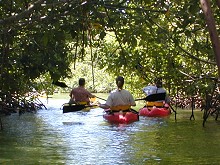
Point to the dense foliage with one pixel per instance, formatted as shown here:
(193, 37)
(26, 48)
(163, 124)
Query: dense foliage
(141, 40)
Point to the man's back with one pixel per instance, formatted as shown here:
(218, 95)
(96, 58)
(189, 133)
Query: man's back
(80, 94)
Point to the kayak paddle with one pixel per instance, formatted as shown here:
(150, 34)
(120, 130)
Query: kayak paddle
(154, 97)
(60, 84)
(63, 85)
(101, 98)
(74, 107)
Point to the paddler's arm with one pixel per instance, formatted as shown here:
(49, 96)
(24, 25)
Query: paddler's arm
(132, 101)
(107, 104)
(90, 95)
(133, 104)
(72, 95)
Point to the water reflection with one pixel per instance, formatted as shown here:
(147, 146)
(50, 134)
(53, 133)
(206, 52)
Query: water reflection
(51, 137)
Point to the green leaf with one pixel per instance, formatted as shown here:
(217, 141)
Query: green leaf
(45, 39)
(102, 35)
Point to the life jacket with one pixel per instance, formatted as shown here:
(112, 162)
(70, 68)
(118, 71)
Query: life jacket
(154, 103)
(83, 103)
(120, 108)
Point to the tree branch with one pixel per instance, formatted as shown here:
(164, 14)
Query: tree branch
(218, 3)
(206, 7)
(194, 57)
(21, 15)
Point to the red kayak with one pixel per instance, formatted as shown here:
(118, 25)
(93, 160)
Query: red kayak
(121, 117)
(154, 112)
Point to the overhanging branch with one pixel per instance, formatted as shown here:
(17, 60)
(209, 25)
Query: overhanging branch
(194, 57)
(23, 14)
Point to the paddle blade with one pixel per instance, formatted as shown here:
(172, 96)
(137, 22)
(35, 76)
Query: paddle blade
(60, 84)
(154, 97)
(72, 108)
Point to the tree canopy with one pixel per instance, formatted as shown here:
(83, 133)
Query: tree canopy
(139, 39)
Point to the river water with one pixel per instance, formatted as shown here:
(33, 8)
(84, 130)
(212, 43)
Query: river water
(85, 138)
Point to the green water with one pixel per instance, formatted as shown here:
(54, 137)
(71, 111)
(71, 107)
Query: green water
(85, 138)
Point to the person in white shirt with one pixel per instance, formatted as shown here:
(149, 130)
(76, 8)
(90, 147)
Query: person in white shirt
(119, 99)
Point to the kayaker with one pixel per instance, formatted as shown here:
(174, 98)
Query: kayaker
(119, 99)
(80, 95)
(156, 88)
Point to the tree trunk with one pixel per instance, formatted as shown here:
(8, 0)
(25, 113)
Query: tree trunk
(205, 4)
(218, 3)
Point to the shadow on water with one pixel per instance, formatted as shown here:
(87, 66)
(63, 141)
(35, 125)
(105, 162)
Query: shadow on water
(84, 137)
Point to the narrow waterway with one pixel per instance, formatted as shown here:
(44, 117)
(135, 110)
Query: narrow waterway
(85, 138)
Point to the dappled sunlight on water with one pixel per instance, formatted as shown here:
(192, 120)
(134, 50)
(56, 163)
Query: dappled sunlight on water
(84, 137)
